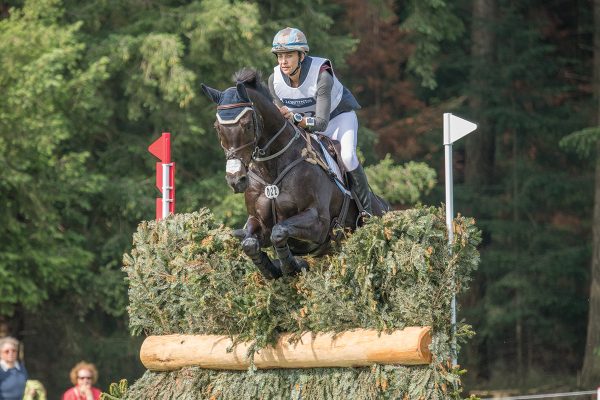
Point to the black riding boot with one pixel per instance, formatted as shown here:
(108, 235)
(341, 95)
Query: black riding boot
(360, 187)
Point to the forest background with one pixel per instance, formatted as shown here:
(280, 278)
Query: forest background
(86, 86)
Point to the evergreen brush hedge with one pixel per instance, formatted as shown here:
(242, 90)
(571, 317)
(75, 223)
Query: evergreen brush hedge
(188, 275)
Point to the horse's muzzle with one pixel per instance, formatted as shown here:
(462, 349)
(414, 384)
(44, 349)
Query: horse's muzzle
(236, 175)
(239, 183)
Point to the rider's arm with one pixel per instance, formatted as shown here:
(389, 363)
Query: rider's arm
(323, 107)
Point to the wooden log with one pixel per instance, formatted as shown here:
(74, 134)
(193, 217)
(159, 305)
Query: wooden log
(360, 347)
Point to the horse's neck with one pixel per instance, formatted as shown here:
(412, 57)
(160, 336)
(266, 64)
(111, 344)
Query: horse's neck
(273, 122)
(272, 119)
(270, 169)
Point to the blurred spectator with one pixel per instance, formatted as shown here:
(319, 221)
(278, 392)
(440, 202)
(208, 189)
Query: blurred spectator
(83, 376)
(13, 374)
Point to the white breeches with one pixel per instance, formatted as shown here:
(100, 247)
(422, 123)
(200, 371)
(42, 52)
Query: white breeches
(344, 128)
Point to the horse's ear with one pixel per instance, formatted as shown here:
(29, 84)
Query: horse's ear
(241, 89)
(213, 94)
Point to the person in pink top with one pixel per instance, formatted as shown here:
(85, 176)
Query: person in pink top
(83, 375)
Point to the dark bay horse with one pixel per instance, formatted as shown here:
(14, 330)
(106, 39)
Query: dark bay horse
(292, 203)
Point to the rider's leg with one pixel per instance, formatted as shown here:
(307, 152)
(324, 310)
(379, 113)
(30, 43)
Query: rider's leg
(344, 128)
(360, 185)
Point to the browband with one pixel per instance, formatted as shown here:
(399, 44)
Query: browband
(234, 105)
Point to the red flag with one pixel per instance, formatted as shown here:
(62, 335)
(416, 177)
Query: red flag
(161, 148)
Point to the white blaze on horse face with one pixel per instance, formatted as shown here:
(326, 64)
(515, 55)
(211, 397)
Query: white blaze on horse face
(233, 166)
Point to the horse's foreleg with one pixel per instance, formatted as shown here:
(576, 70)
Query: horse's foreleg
(304, 226)
(289, 264)
(250, 229)
(252, 249)
(240, 234)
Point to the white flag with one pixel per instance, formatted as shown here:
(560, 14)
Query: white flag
(456, 128)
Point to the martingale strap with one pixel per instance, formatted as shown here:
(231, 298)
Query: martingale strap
(283, 173)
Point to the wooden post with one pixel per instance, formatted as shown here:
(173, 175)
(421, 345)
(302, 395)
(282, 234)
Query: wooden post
(360, 347)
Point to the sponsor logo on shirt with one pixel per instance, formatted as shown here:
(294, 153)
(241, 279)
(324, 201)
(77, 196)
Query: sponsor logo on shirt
(299, 103)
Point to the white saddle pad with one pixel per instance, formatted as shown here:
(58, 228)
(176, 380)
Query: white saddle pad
(330, 161)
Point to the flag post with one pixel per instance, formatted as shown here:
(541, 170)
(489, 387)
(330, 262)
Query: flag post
(454, 129)
(165, 175)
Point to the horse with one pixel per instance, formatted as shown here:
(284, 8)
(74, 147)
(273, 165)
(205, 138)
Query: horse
(293, 202)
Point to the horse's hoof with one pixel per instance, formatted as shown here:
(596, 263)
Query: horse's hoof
(295, 266)
(250, 246)
(268, 274)
(301, 265)
(240, 234)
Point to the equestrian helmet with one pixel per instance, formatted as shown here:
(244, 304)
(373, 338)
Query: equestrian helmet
(289, 39)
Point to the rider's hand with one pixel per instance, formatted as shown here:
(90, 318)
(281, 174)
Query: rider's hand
(285, 112)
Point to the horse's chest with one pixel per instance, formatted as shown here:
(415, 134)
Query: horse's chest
(283, 204)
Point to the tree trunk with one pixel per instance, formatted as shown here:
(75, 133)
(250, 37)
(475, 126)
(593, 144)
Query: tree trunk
(479, 162)
(13, 325)
(4, 10)
(591, 361)
(480, 147)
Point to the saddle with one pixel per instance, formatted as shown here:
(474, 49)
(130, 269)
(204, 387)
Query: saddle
(333, 149)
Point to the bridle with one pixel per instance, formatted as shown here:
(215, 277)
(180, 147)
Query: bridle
(259, 153)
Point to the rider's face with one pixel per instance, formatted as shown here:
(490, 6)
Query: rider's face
(288, 61)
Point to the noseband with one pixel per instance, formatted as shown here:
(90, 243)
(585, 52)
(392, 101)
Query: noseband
(259, 153)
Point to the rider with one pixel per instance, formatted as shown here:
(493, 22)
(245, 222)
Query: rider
(307, 91)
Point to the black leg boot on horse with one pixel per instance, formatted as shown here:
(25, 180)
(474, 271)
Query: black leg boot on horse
(252, 249)
(360, 188)
(289, 264)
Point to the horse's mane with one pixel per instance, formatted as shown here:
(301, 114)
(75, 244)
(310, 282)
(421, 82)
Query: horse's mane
(252, 78)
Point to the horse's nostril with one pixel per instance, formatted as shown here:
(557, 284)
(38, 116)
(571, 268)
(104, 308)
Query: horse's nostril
(239, 184)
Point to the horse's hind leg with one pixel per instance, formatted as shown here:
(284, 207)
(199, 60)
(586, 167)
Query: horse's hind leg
(252, 249)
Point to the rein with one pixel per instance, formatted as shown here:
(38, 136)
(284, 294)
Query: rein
(262, 151)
